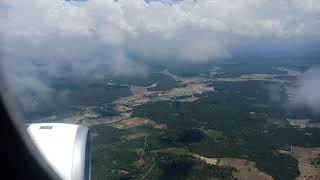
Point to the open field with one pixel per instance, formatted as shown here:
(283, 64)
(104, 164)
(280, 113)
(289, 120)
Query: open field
(136, 121)
(245, 170)
(189, 91)
(308, 171)
(303, 123)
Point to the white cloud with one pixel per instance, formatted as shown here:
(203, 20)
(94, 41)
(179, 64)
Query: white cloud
(122, 66)
(307, 92)
(122, 24)
(94, 36)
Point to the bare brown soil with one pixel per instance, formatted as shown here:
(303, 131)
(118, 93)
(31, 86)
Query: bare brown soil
(304, 156)
(132, 122)
(245, 170)
(303, 123)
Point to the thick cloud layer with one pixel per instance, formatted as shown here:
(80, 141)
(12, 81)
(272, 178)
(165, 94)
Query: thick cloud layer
(186, 30)
(43, 38)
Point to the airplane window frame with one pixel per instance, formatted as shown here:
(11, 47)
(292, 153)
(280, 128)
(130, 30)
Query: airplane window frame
(20, 155)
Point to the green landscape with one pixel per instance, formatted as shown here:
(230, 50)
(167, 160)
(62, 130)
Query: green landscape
(169, 89)
(177, 125)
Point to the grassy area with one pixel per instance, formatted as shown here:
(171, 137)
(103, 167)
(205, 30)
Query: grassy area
(227, 123)
(147, 157)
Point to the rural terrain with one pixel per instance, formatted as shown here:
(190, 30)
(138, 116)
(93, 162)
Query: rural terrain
(229, 121)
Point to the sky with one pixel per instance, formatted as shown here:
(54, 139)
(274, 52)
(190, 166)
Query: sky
(40, 38)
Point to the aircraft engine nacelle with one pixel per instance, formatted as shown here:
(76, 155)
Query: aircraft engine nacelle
(66, 147)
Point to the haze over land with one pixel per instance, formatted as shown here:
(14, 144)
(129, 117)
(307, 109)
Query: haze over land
(45, 38)
(185, 89)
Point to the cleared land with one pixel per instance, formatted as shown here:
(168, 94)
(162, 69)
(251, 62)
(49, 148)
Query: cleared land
(245, 170)
(308, 171)
(189, 90)
(303, 123)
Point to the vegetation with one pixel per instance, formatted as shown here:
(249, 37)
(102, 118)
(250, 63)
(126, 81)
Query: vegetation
(316, 162)
(65, 99)
(113, 158)
(238, 120)
(245, 130)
